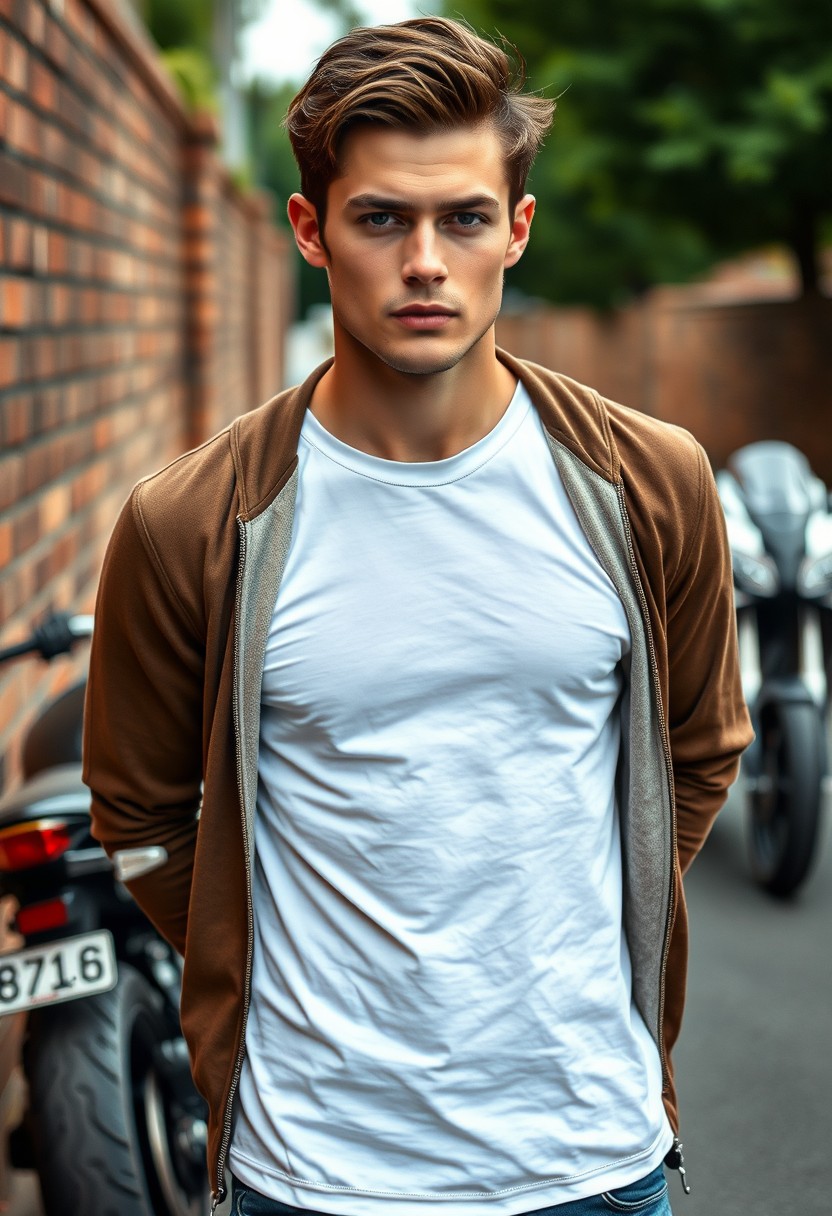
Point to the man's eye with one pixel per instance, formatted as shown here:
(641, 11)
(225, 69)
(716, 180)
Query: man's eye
(467, 219)
(379, 219)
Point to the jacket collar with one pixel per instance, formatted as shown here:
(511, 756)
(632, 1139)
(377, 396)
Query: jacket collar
(264, 442)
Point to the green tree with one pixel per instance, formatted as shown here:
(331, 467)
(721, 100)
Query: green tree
(274, 163)
(275, 170)
(686, 130)
(196, 40)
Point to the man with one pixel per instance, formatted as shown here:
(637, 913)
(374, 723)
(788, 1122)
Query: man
(443, 646)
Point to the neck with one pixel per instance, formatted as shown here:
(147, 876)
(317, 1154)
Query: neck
(407, 417)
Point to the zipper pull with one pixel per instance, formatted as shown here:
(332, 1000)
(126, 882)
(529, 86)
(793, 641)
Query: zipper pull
(676, 1161)
(217, 1199)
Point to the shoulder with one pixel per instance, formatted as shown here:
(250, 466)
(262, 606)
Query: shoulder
(195, 488)
(645, 442)
(179, 527)
(620, 443)
(665, 475)
(227, 476)
(669, 489)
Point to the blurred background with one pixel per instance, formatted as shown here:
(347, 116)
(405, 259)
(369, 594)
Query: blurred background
(681, 262)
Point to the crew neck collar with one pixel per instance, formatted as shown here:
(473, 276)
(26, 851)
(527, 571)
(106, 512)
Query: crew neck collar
(420, 473)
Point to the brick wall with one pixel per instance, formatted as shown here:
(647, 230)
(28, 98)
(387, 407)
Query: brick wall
(143, 301)
(732, 372)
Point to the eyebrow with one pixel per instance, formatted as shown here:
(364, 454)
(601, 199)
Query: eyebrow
(372, 202)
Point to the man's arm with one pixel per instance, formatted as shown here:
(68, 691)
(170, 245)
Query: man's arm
(708, 720)
(143, 721)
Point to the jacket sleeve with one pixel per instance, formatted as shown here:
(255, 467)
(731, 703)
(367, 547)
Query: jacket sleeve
(708, 722)
(143, 721)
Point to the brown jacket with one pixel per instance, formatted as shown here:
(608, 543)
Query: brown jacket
(172, 723)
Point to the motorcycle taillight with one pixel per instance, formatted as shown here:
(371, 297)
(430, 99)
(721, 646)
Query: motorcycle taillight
(37, 918)
(31, 844)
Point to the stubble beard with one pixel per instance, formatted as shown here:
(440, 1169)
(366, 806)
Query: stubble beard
(420, 362)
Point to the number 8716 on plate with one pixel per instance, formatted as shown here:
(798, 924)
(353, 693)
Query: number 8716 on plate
(59, 971)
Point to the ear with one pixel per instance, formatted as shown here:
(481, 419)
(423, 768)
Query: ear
(304, 220)
(520, 228)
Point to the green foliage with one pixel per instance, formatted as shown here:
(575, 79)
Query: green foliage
(184, 32)
(686, 130)
(274, 163)
(190, 23)
(180, 23)
(195, 75)
(276, 171)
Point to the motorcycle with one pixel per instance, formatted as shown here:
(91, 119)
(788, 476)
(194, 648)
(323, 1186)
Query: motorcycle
(114, 1123)
(780, 533)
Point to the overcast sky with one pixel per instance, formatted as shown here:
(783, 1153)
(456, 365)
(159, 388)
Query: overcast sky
(286, 41)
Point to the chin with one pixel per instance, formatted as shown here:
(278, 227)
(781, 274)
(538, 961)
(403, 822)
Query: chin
(424, 359)
(423, 365)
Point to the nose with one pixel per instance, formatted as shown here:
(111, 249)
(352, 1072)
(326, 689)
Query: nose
(423, 262)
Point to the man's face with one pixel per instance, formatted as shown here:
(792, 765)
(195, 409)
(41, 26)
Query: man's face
(418, 234)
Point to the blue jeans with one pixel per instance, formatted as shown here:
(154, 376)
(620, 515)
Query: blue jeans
(647, 1197)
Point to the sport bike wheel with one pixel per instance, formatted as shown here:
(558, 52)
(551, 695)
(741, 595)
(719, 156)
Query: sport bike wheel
(110, 1136)
(785, 800)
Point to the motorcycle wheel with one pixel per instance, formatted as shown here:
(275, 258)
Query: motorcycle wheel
(106, 1138)
(785, 800)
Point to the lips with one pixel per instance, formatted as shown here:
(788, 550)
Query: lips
(424, 316)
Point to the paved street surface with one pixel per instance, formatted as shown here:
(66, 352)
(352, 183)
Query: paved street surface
(755, 1061)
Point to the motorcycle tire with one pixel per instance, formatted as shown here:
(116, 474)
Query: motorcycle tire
(785, 800)
(103, 1139)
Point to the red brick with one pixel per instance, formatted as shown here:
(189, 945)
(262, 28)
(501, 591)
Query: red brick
(9, 361)
(54, 508)
(36, 23)
(103, 433)
(17, 65)
(19, 253)
(49, 411)
(11, 700)
(16, 419)
(21, 125)
(60, 304)
(5, 543)
(25, 530)
(56, 261)
(45, 194)
(15, 302)
(13, 181)
(40, 251)
(56, 45)
(76, 17)
(37, 304)
(41, 85)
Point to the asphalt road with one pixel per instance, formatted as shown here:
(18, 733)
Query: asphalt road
(754, 1063)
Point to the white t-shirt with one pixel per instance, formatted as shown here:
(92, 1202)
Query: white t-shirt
(441, 1013)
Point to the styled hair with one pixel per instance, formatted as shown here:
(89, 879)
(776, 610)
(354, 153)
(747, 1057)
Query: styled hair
(428, 75)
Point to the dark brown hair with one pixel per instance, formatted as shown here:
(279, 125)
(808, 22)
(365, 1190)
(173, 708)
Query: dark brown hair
(429, 74)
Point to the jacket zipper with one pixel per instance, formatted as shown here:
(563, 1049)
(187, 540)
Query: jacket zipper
(676, 1161)
(668, 770)
(220, 1193)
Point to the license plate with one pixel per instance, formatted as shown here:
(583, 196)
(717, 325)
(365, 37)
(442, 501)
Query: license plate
(60, 971)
